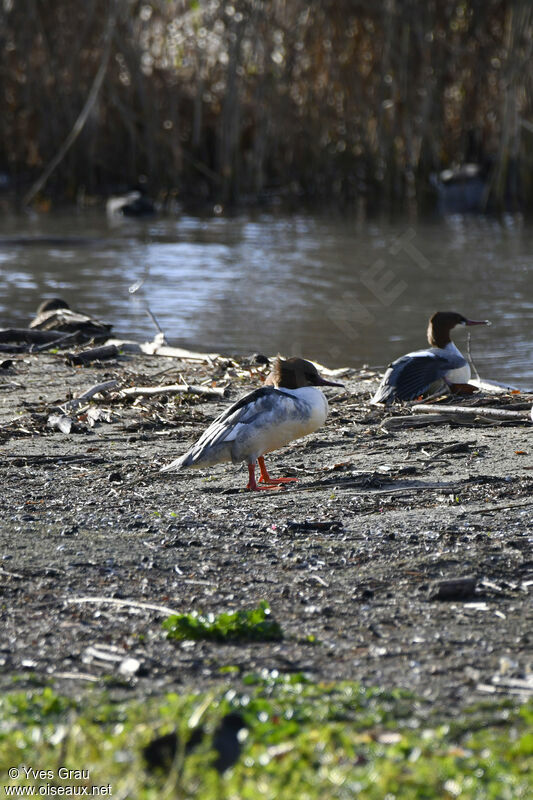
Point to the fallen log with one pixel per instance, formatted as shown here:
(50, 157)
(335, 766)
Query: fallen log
(28, 335)
(156, 348)
(13, 348)
(469, 411)
(174, 388)
(102, 353)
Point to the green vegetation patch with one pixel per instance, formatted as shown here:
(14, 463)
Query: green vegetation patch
(240, 626)
(317, 741)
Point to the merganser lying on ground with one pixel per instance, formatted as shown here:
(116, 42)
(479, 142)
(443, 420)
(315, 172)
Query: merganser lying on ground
(413, 374)
(287, 407)
(56, 315)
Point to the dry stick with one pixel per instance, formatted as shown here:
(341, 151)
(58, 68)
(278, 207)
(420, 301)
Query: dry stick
(375, 492)
(156, 349)
(134, 289)
(469, 411)
(59, 340)
(84, 113)
(126, 603)
(469, 354)
(505, 507)
(411, 421)
(72, 405)
(154, 320)
(175, 388)
(75, 676)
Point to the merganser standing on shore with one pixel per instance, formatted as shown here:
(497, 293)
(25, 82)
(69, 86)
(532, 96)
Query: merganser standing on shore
(287, 407)
(413, 374)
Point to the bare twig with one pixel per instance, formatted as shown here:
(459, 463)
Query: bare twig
(175, 388)
(506, 507)
(471, 360)
(74, 676)
(469, 411)
(411, 421)
(60, 339)
(72, 405)
(113, 601)
(133, 289)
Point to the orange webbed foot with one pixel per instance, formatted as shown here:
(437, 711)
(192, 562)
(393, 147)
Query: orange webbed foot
(252, 484)
(266, 479)
(273, 481)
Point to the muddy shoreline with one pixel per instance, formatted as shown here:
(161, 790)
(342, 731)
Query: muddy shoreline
(348, 558)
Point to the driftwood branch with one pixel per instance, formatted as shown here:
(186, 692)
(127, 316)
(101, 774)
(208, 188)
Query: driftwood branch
(28, 335)
(157, 349)
(13, 348)
(174, 388)
(72, 405)
(469, 411)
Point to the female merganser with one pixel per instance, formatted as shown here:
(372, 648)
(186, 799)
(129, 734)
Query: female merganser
(413, 374)
(287, 407)
(56, 315)
(135, 203)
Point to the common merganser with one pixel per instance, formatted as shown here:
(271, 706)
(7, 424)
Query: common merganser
(287, 407)
(56, 315)
(413, 374)
(135, 203)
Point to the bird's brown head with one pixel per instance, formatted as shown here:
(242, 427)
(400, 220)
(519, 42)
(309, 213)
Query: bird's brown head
(54, 304)
(442, 322)
(295, 373)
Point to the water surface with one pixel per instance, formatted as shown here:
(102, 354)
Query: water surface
(328, 289)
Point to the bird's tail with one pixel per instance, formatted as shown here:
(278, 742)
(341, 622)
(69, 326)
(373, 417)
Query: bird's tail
(178, 463)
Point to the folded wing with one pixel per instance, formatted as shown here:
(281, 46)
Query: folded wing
(215, 444)
(411, 376)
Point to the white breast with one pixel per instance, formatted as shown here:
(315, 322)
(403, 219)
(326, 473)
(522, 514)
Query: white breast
(460, 368)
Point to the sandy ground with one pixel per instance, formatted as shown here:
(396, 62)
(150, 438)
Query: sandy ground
(349, 557)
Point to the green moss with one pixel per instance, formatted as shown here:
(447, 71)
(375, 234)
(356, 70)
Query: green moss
(254, 625)
(305, 740)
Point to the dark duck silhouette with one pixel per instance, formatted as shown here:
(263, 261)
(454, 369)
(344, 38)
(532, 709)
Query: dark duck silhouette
(134, 203)
(56, 315)
(160, 753)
